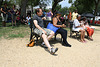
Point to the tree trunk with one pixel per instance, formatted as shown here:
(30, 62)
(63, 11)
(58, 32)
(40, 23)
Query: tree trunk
(54, 6)
(1, 3)
(23, 7)
(96, 8)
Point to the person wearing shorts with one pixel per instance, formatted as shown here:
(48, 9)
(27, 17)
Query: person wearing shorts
(39, 29)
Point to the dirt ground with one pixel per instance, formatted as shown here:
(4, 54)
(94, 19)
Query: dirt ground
(14, 53)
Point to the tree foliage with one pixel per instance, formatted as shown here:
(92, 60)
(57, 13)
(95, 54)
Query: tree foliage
(55, 3)
(64, 10)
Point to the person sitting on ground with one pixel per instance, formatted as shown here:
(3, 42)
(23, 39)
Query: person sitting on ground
(27, 19)
(57, 23)
(41, 31)
(78, 27)
(89, 29)
(23, 20)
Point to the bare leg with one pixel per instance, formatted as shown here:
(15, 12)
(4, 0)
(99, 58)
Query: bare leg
(81, 35)
(51, 35)
(15, 22)
(12, 22)
(46, 41)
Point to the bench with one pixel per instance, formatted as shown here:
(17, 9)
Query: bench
(34, 35)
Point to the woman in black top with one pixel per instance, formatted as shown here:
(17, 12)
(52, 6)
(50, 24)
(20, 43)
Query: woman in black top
(63, 32)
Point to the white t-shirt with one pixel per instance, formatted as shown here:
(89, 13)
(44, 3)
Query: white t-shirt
(28, 18)
(75, 24)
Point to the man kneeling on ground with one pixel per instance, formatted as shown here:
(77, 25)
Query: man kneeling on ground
(41, 31)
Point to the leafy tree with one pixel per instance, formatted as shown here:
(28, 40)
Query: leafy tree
(72, 8)
(1, 1)
(23, 7)
(84, 6)
(64, 10)
(87, 5)
(55, 2)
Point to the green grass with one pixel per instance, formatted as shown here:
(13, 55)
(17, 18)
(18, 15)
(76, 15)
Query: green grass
(10, 32)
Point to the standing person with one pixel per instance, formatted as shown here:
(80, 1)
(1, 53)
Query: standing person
(69, 16)
(23, 20)
(63, 32)
(49, 15)
(4, 14)
(13, 11)
(74, 15)
(9, 15)
(39, 29)
(78, 27)
(18, 15)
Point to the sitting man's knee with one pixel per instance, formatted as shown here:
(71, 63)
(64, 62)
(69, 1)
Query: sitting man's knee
(44, 36)
(52, 33)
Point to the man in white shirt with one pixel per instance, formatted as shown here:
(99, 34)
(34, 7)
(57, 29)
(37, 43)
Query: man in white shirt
(78, 27)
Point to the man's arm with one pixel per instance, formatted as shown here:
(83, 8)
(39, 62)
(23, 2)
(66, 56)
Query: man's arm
(55, 23)
(37, 26)
(2, 11)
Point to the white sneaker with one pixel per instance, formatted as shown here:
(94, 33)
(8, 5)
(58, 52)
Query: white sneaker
(53, 51)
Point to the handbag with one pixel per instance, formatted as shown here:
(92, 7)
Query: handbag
(31, 44)
(51, 27)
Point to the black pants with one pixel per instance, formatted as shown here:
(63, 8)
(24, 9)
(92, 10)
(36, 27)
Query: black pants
(63, 33)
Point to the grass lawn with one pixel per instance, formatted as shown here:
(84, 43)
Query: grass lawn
(10, 32)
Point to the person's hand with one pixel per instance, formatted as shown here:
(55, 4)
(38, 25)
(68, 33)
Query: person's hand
(63, 25)
(44, 18)
(4, 12)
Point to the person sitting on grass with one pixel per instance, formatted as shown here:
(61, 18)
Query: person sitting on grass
(78, 27)
(39, 29)
(27, 19)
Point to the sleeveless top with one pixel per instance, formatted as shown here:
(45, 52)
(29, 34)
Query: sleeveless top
(59, 22)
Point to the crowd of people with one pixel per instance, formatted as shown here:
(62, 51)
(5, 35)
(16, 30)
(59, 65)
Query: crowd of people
(79, 24)
(13, 15)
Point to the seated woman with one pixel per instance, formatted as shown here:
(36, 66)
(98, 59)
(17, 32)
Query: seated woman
(57, 23)
(78, 27)
(89, 29)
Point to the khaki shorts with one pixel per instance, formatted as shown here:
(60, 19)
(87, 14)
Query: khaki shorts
(40, 32)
